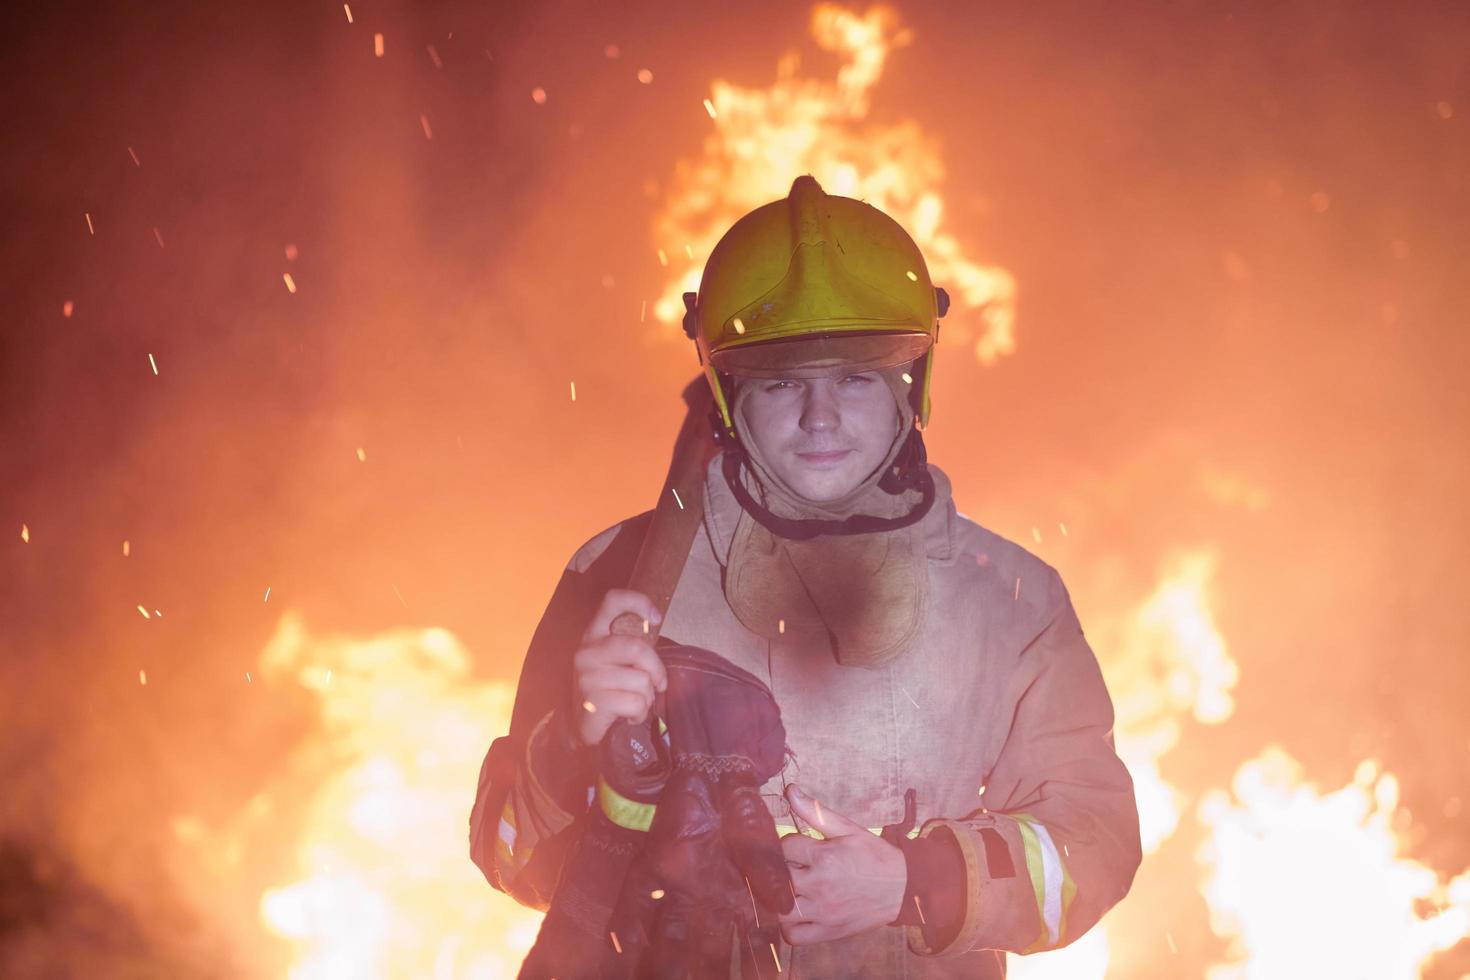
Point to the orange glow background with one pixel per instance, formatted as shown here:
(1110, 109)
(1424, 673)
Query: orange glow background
(1237, 237)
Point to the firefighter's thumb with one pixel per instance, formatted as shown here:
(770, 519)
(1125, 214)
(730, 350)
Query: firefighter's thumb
(828, 821)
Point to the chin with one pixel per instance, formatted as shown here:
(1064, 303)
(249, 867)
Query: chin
(822, 487)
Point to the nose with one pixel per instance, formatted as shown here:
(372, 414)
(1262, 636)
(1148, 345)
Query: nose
(819, 411)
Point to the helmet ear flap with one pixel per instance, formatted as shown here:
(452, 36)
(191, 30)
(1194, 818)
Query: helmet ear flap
(691, 327)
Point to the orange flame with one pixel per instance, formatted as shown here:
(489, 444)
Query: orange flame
(764, 138)
(1307, 884)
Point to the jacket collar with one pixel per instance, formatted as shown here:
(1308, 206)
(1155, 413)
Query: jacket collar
(722, 511)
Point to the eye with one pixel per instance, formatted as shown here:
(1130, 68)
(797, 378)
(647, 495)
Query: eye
(860, 379)
(780, 385)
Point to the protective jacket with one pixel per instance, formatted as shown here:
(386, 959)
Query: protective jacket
(998, 718)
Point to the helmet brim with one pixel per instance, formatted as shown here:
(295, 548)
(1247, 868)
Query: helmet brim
(822, 355)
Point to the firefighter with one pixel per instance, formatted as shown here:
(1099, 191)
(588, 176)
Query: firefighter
(950, 791)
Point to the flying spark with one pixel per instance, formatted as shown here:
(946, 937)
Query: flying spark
(158, 236)
(913, 276)
(143, 677)
(589, 707)
(663, 258)
(645, 76)
(25, 534)
(738, 324)
(574, 390)
(378, 45)
(424, 122)
(709, 107)
(267, 594)
(90, 229)
(154, 363)
(616, 945)
(656, 894)
(125, 549)
(290, 283)
(775, 957)
(675, 492)
(133, 153)
(920, 909)
(361, 455)
(1063, 526)
(249, 681)
(908, 379)
(434, 56)
(780, 626)
(1018, 587)
(1036, 533)
(538, 95)
(348, 10)
(643, 312)
(66, 308)
(398, 594)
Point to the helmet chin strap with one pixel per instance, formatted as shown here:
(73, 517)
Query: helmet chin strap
(910, 470)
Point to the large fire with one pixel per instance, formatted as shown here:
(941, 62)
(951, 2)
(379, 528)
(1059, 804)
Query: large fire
(351, 860)
(1301, 884)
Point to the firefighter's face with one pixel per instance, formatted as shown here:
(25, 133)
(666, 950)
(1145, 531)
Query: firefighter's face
(822, 436)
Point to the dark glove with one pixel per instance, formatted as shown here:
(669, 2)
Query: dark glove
(711, 871)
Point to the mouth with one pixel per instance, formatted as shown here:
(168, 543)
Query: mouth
(824, 459)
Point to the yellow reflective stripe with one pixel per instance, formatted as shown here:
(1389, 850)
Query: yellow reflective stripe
(622, 811)
(505, 838)
(785, 830)
(1050, 880)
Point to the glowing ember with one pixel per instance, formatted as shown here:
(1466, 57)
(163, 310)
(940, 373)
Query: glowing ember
(25, 534)
(424, 123)
(153, 363)
(1287, 862)
(538, 95)
(90, 229)
(763, 138)
(290, 283)
(378, 45)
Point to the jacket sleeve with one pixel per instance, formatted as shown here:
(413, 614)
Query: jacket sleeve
(535, 780)
(1057, 843)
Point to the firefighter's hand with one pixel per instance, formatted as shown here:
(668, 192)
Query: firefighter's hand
(847, 884)
(615, 676)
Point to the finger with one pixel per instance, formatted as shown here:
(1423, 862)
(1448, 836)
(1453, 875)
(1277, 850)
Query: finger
(825, 819)
(614, 604)
(626, 651)
(804, 933)
(629, 679)
(609, 706)
(798, 849)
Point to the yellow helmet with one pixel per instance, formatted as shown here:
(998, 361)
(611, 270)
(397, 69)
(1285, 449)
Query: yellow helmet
(810, 282)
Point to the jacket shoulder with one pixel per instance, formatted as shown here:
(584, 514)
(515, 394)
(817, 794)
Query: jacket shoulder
(1009, 574)
(617, 545)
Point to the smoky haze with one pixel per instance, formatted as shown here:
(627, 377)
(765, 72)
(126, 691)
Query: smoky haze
(1238, 234)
